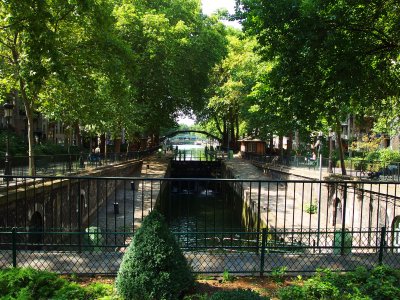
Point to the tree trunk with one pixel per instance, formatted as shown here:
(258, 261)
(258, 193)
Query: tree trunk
(271, 145)
(280, 147)
(78, 136)
(289, 146)
(31, 139)
(117, 145)
(225, 134)
(232, 136)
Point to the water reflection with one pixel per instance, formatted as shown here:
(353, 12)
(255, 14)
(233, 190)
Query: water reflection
(204, 216)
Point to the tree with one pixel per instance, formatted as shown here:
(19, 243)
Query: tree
(172, 43)
(33, 52)
(331, 59)
(231, 81)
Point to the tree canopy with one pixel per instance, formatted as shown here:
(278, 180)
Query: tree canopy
(107, 65)
(329, 58)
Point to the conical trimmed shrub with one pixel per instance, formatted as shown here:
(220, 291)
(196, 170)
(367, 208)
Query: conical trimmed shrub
(153, 266)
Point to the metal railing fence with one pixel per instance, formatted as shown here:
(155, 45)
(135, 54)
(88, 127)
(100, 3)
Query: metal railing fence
(355, 167)
(255, 253)
(198, 155)
(68, 164)
(83, 224)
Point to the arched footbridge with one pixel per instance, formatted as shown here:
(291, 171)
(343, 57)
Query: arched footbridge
(173, 133)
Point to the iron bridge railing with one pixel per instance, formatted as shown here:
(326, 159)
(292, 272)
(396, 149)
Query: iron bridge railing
(84, 224)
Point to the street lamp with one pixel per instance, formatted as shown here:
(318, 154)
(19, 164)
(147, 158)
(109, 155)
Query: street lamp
(330, 164)
(8, 111)
(320, 134)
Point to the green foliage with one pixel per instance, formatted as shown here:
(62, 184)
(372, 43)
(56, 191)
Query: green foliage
(32, 284)
(327, 61)
(384, 155)
(197, 297)
(231, 81)
(292, 292)
(311, 208)
(226, 277)
(28, 283)
(97, 290)
(153, 266)
(17, 145)
(381, 282)
(278, 274)
(237, 295)
(49, 148)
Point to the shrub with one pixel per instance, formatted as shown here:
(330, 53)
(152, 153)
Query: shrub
(381, 282)
(32, 284)
(226, 277)
(292, 292)
(27, 283)
(153, 266)
(278, 274)
(311, 208)
(237, 295)
(384, 155)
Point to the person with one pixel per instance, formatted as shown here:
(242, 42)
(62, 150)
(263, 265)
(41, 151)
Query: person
(314, 156)
(97, 153)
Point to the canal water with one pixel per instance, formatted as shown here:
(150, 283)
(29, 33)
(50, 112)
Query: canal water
(203, 213)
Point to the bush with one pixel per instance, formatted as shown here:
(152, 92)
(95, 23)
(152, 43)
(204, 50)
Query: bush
(28, 284)
(237, 295)
(381, 282)
(311, 208)
(292, 292)
(49, 148)
(153, 266)
(17, 144)
(32, 284)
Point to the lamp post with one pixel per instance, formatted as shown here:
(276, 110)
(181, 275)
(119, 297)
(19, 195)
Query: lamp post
(228, 132)
(320, 150)
(330, 163)
(8, 110)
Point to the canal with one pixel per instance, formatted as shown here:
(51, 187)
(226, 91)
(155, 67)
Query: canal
(201, 212)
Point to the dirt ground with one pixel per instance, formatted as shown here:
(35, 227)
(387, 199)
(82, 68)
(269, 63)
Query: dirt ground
(265, 286)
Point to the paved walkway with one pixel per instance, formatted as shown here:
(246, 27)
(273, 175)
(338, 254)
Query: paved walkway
(145, 195)
(279, 208)
(284, 205)
(86, 262)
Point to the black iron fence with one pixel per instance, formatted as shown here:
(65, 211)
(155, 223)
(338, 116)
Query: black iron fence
(68, 164)
(355, 167)
(198, 155)
(84, 224)
(255, 253)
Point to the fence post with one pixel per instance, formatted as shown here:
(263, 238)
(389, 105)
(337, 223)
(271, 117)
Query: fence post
(382, 245)
(14, 246)
(344, 219)
(79, 212)
(263, 242)
(258, 212)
